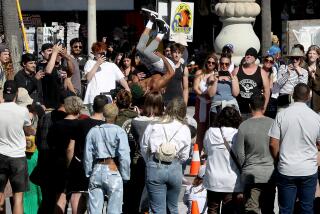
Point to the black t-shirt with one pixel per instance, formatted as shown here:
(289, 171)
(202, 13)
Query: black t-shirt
(84, 127)
(77, 180)
(30, 83)
(59, 136)
(52, 85)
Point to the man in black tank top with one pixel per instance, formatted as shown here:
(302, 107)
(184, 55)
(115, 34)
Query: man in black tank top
(253, 80)
(178, 86)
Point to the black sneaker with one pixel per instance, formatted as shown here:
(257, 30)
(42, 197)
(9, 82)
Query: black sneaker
(152, 15)
(163, 27)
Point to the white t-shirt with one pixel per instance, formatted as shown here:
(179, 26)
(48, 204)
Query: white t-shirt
(298, 128)
(222, 174)
(104, 79)
(154, 136)
(12, 138)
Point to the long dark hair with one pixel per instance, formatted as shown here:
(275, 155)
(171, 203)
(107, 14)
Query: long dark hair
(213, 56)
(125, 56)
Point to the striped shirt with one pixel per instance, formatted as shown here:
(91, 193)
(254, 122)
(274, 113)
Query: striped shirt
(288, 80)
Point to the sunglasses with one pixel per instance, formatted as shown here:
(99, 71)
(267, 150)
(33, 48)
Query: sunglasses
(224, 63)
(211, 62)
(269, 60)
(77, 46)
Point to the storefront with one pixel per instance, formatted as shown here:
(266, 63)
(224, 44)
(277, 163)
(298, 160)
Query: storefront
(114, 18)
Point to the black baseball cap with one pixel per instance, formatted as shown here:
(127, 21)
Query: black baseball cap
(252, 52)
(27, 57)
(10, 90)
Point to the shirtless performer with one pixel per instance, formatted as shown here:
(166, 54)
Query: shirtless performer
(157, 81)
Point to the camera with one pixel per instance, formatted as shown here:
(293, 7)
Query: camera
(224, 73)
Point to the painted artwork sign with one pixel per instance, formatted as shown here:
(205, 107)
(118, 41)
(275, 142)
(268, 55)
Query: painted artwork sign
(182, 16)
(305, 32)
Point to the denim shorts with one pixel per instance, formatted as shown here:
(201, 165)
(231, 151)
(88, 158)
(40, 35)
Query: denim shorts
(16, 171)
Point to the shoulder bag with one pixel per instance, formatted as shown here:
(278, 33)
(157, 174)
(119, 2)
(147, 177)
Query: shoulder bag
(233, 156)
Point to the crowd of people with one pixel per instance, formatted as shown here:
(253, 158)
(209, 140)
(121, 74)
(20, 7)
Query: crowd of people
(113, 128)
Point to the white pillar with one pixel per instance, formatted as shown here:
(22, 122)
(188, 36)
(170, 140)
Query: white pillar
(237, 17)
(92, 24)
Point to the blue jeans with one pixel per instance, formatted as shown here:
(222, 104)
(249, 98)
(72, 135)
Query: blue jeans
(163, 182)
(103, 181)
(291, 187)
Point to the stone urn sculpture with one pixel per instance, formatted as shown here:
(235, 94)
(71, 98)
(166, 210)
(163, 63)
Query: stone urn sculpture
(237, 17)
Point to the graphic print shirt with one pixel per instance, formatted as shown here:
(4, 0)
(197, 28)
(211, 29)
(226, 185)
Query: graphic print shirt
(249, 85)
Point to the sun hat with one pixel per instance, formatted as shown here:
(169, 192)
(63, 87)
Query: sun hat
(295, 52)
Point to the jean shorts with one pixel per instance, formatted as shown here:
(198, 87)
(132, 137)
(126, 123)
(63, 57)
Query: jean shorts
(16, 171)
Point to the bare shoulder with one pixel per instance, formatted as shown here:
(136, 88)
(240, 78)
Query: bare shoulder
(156, 76)
(264, 73)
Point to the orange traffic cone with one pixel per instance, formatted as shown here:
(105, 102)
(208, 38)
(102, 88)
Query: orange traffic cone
(194, 207)
(195, 162)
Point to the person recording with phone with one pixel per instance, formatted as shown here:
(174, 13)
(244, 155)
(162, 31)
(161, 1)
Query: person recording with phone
(223, 88)
(101, 75)
(288, 77)
(56, 76)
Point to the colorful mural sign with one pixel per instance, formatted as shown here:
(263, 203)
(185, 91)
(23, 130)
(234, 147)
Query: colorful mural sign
(182, 19)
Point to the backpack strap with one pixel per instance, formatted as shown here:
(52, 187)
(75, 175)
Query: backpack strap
(165, 133)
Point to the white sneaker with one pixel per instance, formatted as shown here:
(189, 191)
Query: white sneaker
(152, 15)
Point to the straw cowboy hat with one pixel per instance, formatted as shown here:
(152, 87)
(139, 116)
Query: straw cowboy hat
(296, 52)
(180, 38)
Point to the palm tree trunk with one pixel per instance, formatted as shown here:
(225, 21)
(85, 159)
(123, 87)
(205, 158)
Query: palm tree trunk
(266, 25)
(13, 36)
